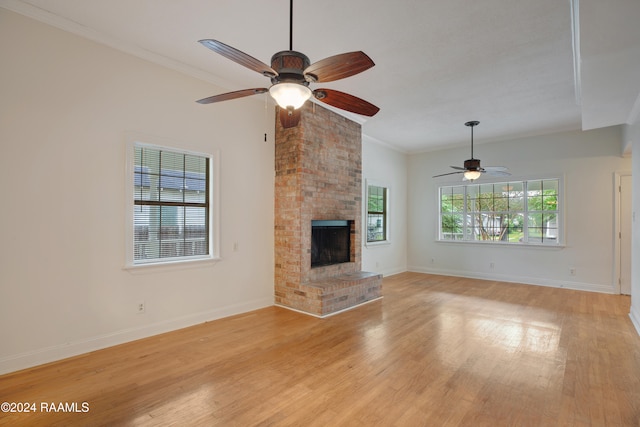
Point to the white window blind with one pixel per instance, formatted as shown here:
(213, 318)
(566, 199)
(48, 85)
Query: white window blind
(171, 192)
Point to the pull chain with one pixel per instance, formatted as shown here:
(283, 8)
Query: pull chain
(266, 115)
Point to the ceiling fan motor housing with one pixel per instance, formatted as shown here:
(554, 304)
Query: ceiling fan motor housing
(290, 66)
(472, 164)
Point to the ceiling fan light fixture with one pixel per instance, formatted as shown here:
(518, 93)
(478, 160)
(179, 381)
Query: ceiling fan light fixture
(472, 175)
(291, 73)
(290, 94)
(472, 169)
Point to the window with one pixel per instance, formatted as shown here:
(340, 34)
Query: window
(376, 213)
(520, 212)
(171, 205)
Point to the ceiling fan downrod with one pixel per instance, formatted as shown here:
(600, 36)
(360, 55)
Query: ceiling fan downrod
(471, 124)
(290, 24)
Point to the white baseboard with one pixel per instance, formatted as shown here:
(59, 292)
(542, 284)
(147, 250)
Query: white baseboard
(553, 283)
(391, 271)
(634, 314)
(324, 316)
(41, 356)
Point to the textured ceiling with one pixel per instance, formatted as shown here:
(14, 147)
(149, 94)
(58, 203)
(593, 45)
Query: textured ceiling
(439, 63)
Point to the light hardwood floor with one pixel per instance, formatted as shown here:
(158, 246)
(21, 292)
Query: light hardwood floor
(436, 351)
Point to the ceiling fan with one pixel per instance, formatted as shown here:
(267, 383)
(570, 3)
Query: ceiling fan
(291, 73)
(472, 169)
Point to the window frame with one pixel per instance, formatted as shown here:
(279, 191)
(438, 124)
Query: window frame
(385, 213)
(134, 140)
(560, 240)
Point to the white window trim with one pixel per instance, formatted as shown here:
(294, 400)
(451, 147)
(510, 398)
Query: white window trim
(562, 242)
(387, 240)
(131, 140)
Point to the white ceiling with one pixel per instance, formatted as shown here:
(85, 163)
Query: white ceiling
(439, 63)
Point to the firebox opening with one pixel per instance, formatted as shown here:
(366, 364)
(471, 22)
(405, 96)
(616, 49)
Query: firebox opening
(330, 242)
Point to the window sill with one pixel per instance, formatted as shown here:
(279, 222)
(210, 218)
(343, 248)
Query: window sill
(500, 244)
(377, 244)
(153, 267)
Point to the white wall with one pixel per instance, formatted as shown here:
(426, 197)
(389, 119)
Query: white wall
(587, 161)
(632, 133)
(65, 107)
(386, 167)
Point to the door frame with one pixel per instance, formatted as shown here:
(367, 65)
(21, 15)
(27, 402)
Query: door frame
(617, 256)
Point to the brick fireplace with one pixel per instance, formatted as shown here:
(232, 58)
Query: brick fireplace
(319, 178)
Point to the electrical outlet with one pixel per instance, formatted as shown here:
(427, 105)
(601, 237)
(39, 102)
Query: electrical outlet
(572, 271)
(141, 307)
(491, 265)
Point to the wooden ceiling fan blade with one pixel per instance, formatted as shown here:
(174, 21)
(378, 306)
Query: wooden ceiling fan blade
(239, 57)
(232, 95)
(346, 102)
(289, 118)
(338, 67)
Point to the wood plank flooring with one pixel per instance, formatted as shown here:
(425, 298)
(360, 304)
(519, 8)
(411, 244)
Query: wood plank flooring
(436, 351)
